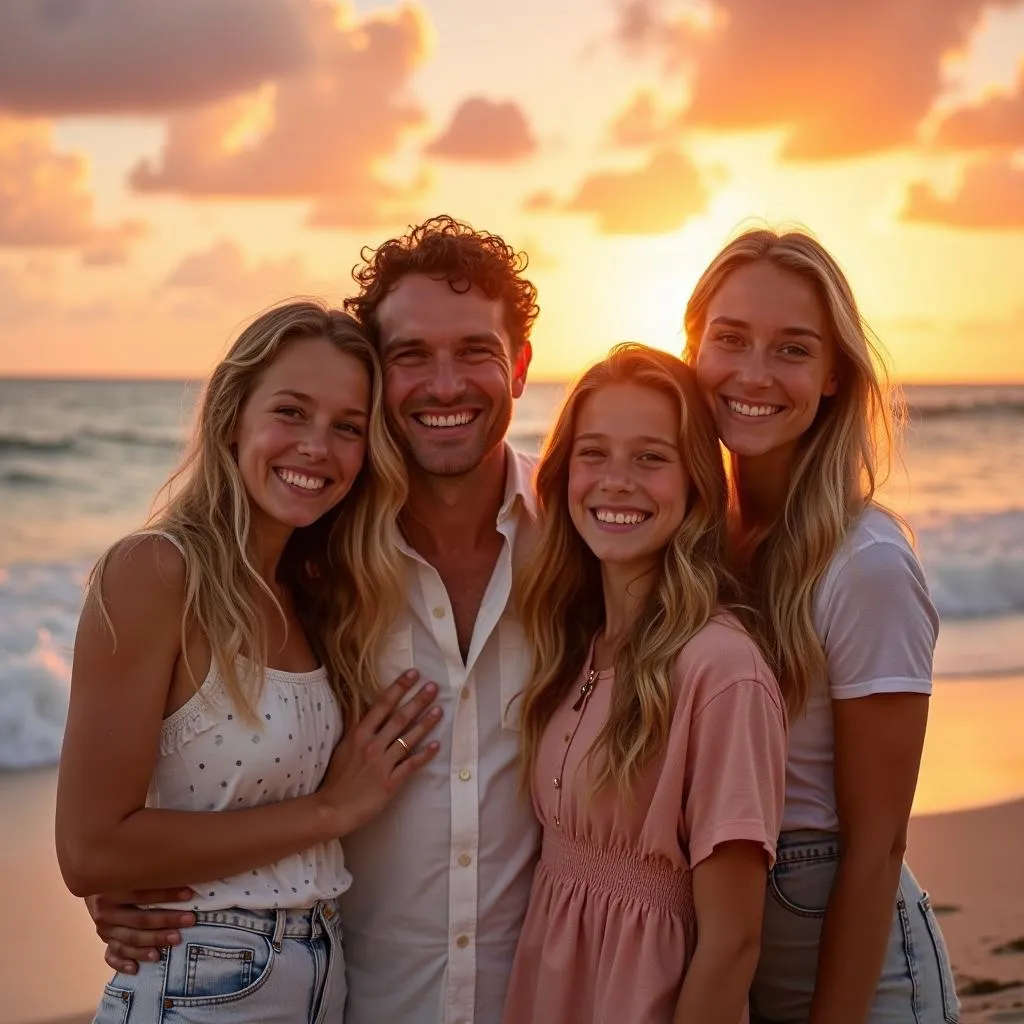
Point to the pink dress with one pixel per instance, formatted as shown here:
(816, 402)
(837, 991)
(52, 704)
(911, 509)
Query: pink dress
(610, 927)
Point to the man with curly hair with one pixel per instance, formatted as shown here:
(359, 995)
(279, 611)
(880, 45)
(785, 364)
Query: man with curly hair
(442, 881)
(443, 877)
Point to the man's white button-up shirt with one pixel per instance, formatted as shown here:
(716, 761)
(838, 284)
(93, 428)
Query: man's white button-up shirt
(442, 877)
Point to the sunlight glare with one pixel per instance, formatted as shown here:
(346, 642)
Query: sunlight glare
(255, 119)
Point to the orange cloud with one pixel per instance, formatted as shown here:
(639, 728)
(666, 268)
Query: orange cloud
(537, 202)
(109, 247)
(997, 121)
(324, 132)
(642, 24)
(44, 199)
(840, 79)
(990, 197)
(485, 130)
(222, 274)
(643, 123)
(148, 56)
(660, 196)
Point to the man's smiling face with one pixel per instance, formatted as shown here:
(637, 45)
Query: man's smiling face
(449, 374)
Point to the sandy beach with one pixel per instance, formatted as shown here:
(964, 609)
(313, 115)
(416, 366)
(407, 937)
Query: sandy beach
(966, 847)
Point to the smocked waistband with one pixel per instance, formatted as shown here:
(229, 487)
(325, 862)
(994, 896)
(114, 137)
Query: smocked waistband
(651, 881)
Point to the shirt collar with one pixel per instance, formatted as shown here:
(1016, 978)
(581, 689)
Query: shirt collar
(519, 490)
(519, 468)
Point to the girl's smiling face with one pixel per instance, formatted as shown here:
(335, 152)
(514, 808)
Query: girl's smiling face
(627, 482)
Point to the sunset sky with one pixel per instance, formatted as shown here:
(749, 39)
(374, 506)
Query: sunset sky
(170, 167)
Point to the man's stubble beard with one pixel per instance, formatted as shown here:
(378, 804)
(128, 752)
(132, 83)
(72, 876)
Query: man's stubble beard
(436, 463)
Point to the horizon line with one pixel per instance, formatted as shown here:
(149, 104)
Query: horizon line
(542, 379)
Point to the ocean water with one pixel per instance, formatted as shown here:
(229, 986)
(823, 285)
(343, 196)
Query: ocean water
(81, 460)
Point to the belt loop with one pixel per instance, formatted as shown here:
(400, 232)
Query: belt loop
(281, 917)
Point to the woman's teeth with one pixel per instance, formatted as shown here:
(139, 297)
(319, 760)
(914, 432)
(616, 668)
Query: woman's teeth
(458, 419)
(752, 410)
(607, 515)
(307, 483)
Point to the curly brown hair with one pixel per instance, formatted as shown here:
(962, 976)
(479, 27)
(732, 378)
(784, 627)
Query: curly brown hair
(450, 250)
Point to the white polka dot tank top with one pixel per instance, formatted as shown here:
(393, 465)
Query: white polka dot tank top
(211, 758)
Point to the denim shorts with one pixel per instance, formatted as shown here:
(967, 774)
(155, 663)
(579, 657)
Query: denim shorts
(916, 985)
(272, 966)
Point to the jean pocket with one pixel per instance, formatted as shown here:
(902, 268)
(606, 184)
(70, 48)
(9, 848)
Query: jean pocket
(230, 965)
(114, 1006)
(803, 886)
(950, 1002)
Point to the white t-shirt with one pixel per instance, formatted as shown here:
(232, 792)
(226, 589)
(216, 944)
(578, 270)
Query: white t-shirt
(878, 627)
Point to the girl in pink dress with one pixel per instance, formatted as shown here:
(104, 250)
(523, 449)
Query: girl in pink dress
(654, 734)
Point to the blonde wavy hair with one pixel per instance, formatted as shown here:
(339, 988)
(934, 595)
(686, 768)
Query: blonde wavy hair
(343, 570)
(560, 598)
(842, 459)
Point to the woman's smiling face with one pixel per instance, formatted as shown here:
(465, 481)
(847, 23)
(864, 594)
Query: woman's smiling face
(301, 436)
(766, 359)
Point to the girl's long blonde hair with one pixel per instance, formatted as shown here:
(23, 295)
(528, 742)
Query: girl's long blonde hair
(843, 457)
(342, 571)
(560, 596)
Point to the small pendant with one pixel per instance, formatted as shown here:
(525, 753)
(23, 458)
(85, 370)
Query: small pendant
(585, 690)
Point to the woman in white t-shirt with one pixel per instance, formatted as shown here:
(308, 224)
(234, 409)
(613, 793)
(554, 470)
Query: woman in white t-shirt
(786, 363)
(224, 725)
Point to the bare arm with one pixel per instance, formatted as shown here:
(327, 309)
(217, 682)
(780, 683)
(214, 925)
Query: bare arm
(728, 895)
(106, 838)
(878, 743)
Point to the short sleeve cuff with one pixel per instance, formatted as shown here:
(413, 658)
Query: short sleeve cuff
(751, 831)
(890, 684)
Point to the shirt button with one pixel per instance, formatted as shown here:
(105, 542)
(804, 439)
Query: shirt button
(465, 774)
(465, 693)
(557, 821)
(465, 860)
(438, 612)
(568, 737)
(558, 782)
(462, 941)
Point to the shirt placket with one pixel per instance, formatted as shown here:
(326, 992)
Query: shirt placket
(460, 987)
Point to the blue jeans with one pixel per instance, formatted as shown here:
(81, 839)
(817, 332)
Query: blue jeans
(234, 966)
(916, 985)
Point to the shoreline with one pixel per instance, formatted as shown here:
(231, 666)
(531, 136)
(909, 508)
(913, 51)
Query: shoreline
(966, 847)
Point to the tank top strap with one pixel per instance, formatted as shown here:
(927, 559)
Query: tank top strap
(167, 536)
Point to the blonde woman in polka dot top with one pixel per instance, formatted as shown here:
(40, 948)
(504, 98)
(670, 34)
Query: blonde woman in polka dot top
(225, 723)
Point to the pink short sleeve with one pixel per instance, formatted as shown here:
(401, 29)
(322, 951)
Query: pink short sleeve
(735, 770)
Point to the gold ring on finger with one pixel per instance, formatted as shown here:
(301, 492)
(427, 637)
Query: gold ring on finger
(405, 746)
